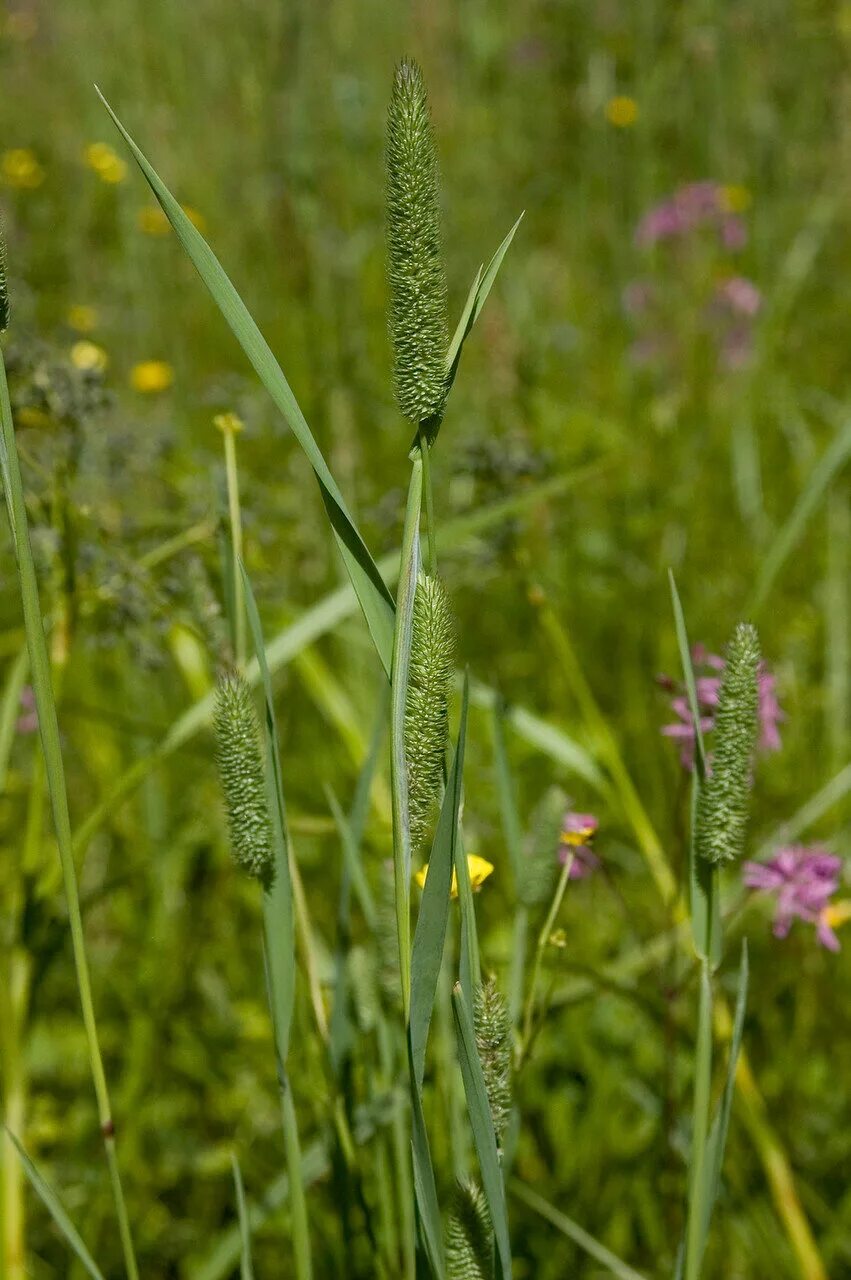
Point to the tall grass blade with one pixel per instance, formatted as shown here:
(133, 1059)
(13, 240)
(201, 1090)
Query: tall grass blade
(246, 1266)
(428, 1208)
(704, 897)
(828, 466)
(698, 1179)
(476, 299)
(55, 772)
(374, 598)
(430, 933)
(54, 1207)
(409, 572)
(718, 1133)
(572, 1230)
(481, 1123)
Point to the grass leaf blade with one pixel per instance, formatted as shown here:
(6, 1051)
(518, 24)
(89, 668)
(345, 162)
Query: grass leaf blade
(55, 1208)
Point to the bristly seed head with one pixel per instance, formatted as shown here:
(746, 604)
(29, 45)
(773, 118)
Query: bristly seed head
(426, 706)
(242, 777)
(493, 1041)
(469, 1237)
(722, 811)
(5, 308)
(415, 268)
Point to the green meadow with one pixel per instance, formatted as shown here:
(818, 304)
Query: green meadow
(333, 1065)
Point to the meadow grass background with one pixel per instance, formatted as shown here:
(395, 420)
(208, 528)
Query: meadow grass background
(267, 119)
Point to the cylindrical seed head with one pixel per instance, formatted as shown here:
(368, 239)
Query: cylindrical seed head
(242, 778)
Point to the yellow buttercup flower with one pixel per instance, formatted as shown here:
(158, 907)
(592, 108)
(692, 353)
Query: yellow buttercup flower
(82, 318)
(153, 221)
(151, 376)
(88, 357)
(109, 166)
(20, 168)
(622, 111)
(735, 198)
(478, 870)
(837, 913)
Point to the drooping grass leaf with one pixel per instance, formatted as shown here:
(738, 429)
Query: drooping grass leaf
(374, 598)
(574, 1232)
(55, 1208)
(246, 1267)
(430, 932)
(478, 1109)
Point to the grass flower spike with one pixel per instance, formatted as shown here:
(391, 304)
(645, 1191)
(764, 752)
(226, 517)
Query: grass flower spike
(426, 710)
(493, 1041)
(242, 777)
(723, 806)
(4, 288)
(415, 268)
(469, 1244)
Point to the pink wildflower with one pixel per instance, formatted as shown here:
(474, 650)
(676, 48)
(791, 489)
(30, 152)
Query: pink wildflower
(28, 721)
(707, 687)
(577, 833)
(803, 880)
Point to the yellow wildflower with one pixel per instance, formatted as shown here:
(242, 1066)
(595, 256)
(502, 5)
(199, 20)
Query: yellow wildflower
(151, 376)
(478, 870)
(153, 221)
(109, 167)
(622, 111)
(82, 318)
(228, 422)
(735, 198)
(837, 913)
(88, 357)
(20, 168)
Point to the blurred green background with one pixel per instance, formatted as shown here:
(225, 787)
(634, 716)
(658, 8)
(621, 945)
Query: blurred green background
(699, 426)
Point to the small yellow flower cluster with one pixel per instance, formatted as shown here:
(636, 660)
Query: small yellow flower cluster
(735, 198)
(622, 111)
(102, 159)
(20, 168)
(151, 376)
(88, 357)
(478, 869)
(153, 222)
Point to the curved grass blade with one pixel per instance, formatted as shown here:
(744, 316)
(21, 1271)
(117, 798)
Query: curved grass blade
(246, 1267)
(374, 598)
(481, 1123)
(574, 1232)
(430, 933)
(54, 1207)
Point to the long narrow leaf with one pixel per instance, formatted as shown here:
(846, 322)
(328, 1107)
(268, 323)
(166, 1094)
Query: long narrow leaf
(718, 1134)
(428, 1208)
(246, 1266)
(54, 1207)
(375, 600)
(481, 1123)
(574, 1232)
(704, 896)
(430, 933)
(278, 921)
